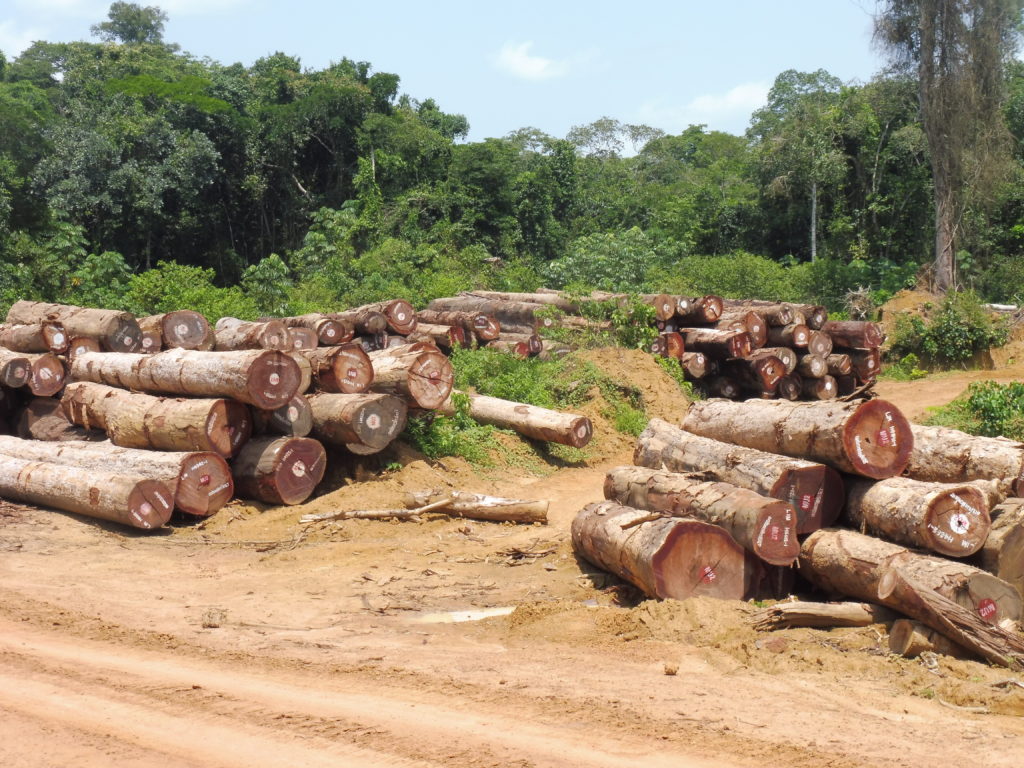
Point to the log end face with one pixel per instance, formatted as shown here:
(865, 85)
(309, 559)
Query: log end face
(379, 421)
(817, 494)
(17, 372)
(124, 335)
(273, 380)
(185, 328)
(351, 370)
(47, 377)
(431, 379)
(228, 427)
(878, 440)
(699, 559)
(150, 505)
(775, 540)
(299, 470)
(204, 484)
(580, 432)
(957, 522)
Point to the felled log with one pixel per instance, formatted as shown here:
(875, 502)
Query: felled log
(823, 388)
(696, 365)
(279, 470)
(791, 386)
(199, 481)
(293, 419)
(79, 345)
(665, 557)
(518, 349)
(668, 345)
(533, 342)
(152, 341)
(44, 336)
(399, 314)
(951, 519)
(554, 298)
(751, 322)
(763, 526)
(812, 366)
(870, 438)
(363, 423)
(484, 327)
(816, 315)
(512, 312)
(760, 374)
(136, 420)
(329, 330)
(794, 335)
(116, 331)
(302, 338)
(134, 501)
(445, 336)
(42, 418)
(264, 378)
(552, 350)
(703, 309)
(363, 321)
(15, 369)
(305, 372)
(912, 638)
(784, 355)
(47, 374)
(865, 363)
(815, 490)
(716, 343)
(774, 314)
(949, 455)
(800, 613)
(857, 334)
(723, 386)
(1003, 551)
(529, 420)
(839, 365)
(419, 373)
(182, 328)
(345, 368)
(232, 334)
(819, 343)
(851, 564)
(478, 506)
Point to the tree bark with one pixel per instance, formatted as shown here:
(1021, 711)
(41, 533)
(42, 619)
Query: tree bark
(552, 350)
(1003, 551)
(814, 490)
(47, 375)
(912, 638)
(774, 314)
(200, 481)
(483, 327)
(555, 299)
(419, 373)
(116, 331)
(345, 369)
(481, 507)
(800, 613)
(264, 378)
(295, 419)
(135, 420)
(134, 501)
(795, 335)
(511, 312)
(857, 334)
(329, 331)
(399, 314)
(362, 321)
(181, 329)
(763, 526)
(35, 337)
(870, 438)
(703, 309)
(445, 336)
(279, 470)
(949, 455)
(717, 343)
(43, 418)
(364, 423)
(529, 420)
(233, 334)
(15, 369)
(664, 557)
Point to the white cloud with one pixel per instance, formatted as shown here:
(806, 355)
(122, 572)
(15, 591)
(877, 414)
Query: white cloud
(14, 40)
(728, 111)
(515, 59)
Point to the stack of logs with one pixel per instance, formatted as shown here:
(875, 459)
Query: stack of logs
(127, 419)
(732, 348)
(925, 521)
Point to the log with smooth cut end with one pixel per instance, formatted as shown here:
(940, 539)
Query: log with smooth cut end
(759, 374)
(181, 329)
(519, 349)
(47, 374)
(858, 334)
(533, 342)
(1003, 551)
(115, 331)
(870, 438)
(751, 322)
(839, 365)
(15, 369)
(865, 363)
(294, 419)
(795, 335)
(232, 334)
(35, 337)
(850, 563)
(717, 343)
(665, 557)
(79, 345)
(790, 387)
(302, 338)
(42, 418)
(329, 331)
(200, 481)
(264, 378)
(367, 322)
(785, 355)
(368, 422)
(345, 368)
(824, 388)
(445, 336)
(812, 366)
(815, 315)
(696, 365)
(529, 420)
(951, 519)
(819, 343)
(912, 638)
(702, 309)
(814, 490)
(723, 386)
(400, 315)
(136, 420)
(305, 372)
(279, 470)
(126, 499)
(511, 312)
(420, 373)
(152, 342)
(764, 526)
(484, 327)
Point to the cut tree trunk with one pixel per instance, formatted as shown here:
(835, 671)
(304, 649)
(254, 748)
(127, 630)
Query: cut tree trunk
(200, 481)
(669, 345)
(866, 363)
(480, 507)
(812, 366)
(264, 378)
(764, 526)
(181, 329)
(665, 557)
(784, 355)
(815, 315)
(952, 456)
(777, 315)
(419, 373)
(116, 331)
(704, 309)
(795, 335)
(346, 368)
(529, 420)
(368, 322)
(815, 490)
(950, 519)
(151, 342)
(15, 369)
(445, 336)
(79, 345)
(791, 386)
(857, 334)
(329, 331)
(399, 314)
(129, 500)
(512, 312)
(696, 364)
(723, 386)
(35, 337)
(295, 419)
(533, 342)
(759, 374)
(43, 418)
(279, 470)
(47, 375)
(717, 343)
(819, 343)
(554, 298)
(912, 638)
(305, 372)
(483, 327)
(824, 388)
(233, 334)
(363, 423)
(800, 613)
(751, 322)
(1003, 551)
(870, 438)
(135, 420)
(839, 365)
(851, 564)
(519, 349)
(552, 350)
(302, 338)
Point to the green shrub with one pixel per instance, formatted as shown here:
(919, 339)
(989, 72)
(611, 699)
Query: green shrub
(632, 324)
(952, 334)
(173, 286)
(905, 369)
(988, 408)
(609, 261)
(457, 435)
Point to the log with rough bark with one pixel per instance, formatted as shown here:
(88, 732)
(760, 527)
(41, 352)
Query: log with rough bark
(481, 507)
(815, 315)
(795, 335)
(901, 589)
(294, 419)
(723, 386)
(717, 343)
(552, 350)
(47, 374)
(445, 336)
(79, 345)
(368, 322)
(302, 338)
(857, 334)
(751, 322)
(182, 328)
(519, 349)
(511, 312)
(232, 334)
(345, 368)
(815, 490)
(43, 418)
(116, 331)
(669, 345)
(15, 369)
(774, 314)
(1003, 551)
(851, 564)
(784, 355)
(665, 557)
(823, 388)
(533, 342)
(951, 519)
(364, 423)
(800, 613)
(419, 373)
(949, 455)
(554, 298)
(812, 366)
(305, 372)
(839, 365)
(35, 337)
(136, 420)
(329, 330)
(764, 526)
(130, 500)
(870, 438)
(760, 374)
(912, 638)
(703, 309)
(696, 365)
(200, 481)
(264, 378)
(279, 470)
(819, 343)
(791, 386)
(484, 327)
(529, 420)
(399, 314)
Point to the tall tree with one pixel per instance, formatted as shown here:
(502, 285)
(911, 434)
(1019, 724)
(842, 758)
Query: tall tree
(131, 23)
(957, 49)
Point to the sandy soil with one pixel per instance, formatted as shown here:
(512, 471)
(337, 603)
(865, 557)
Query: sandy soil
(251, 640)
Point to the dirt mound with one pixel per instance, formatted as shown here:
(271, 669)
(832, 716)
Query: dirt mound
(634, 368)
(907, 303)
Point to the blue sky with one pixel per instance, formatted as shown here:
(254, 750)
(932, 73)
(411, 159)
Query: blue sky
(550, 65)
